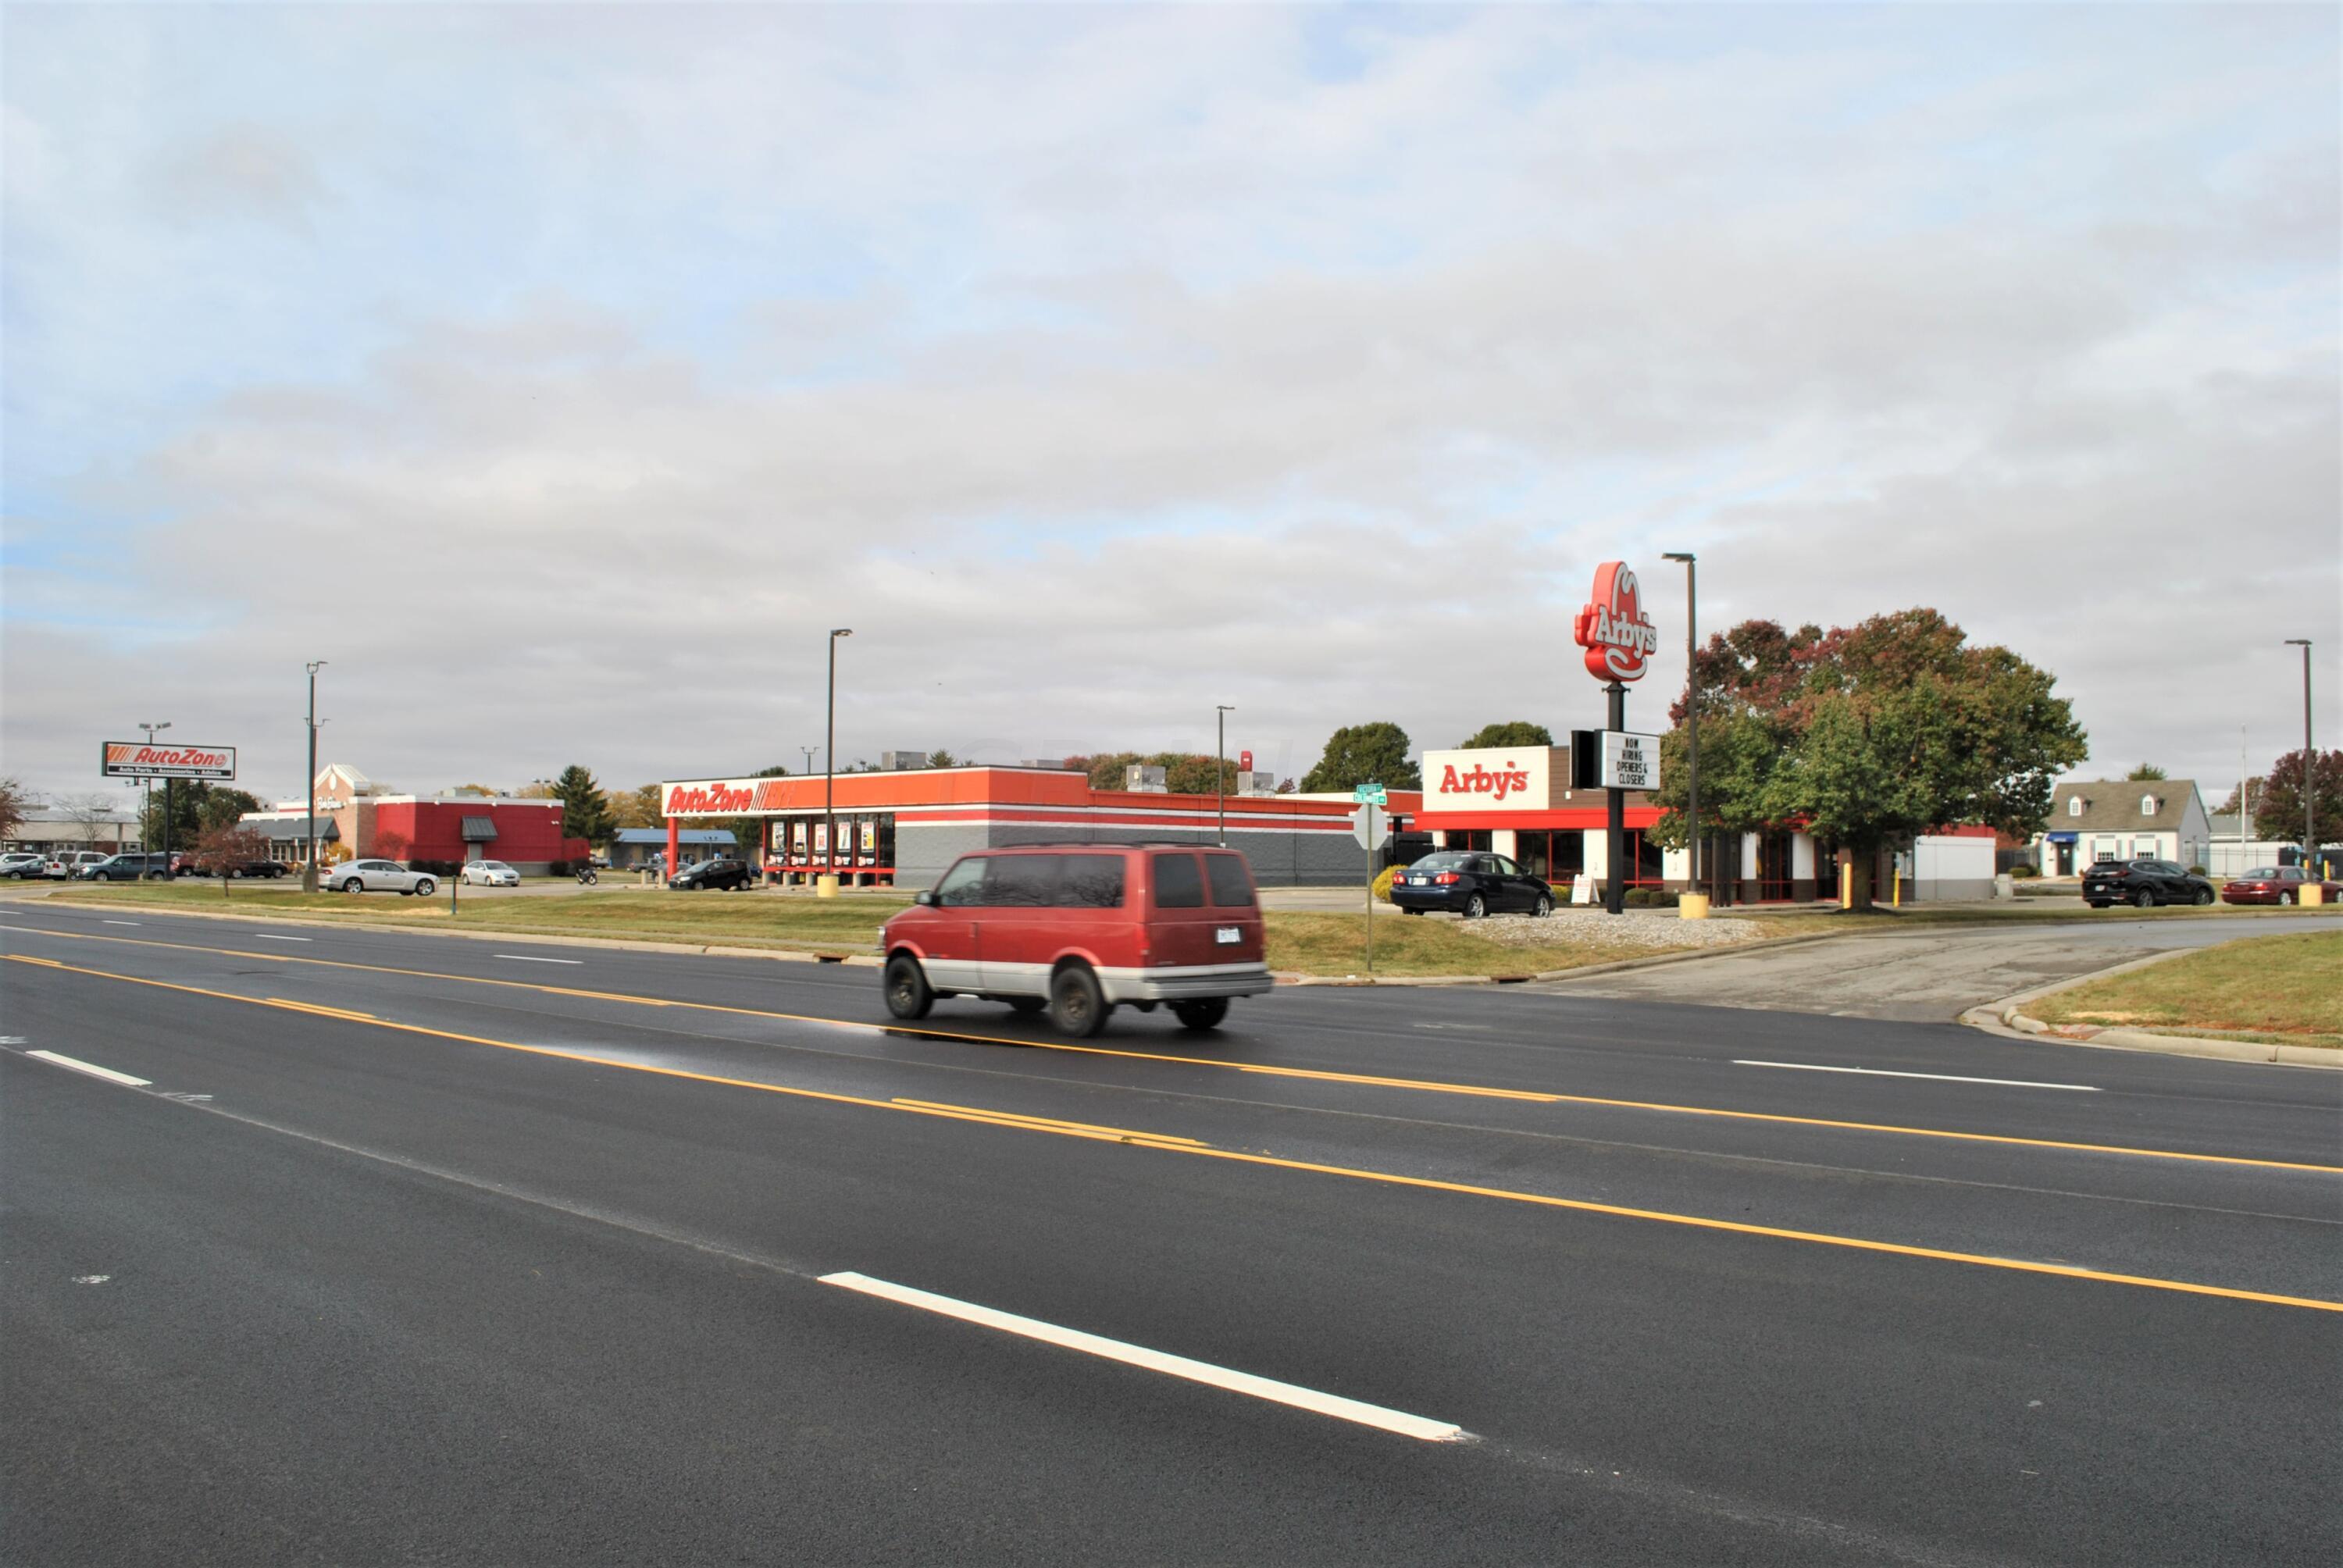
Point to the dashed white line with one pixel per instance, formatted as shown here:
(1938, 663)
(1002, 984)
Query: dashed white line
(1287, 1394)
(122, 923)
(1937, 1077)
(524, 958)
(92, 1068)
(273, 937)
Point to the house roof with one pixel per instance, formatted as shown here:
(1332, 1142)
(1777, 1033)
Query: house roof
(2112, 805)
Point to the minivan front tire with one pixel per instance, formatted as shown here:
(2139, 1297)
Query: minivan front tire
(909, 995)
(1076, 1006)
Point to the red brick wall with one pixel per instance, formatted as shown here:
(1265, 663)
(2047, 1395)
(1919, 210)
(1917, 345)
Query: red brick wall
(527, 833)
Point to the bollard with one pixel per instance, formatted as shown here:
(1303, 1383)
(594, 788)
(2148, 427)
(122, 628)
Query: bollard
(1692, 906)
(2313, 895)
(826, 885)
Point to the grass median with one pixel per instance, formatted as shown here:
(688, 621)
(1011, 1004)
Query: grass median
(1300, 942)
(2286, 990)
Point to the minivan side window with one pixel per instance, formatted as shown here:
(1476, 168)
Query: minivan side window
(1232, 889)
(963, 884)
(1022, 881)
(1092, 881)
(1178, 884)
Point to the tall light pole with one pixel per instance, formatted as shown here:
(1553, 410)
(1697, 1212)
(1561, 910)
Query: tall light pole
(146, 787)
(809, 751)
(830, 759)
(1692, 705)
(309, 868)
(1221, 711)
(2309, 757)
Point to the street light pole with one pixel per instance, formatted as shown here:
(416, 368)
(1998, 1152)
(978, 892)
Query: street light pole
(147, 785)
(1221, 711)
(2309, 759)
(309, 868)
(829, 762)
(1692, 705)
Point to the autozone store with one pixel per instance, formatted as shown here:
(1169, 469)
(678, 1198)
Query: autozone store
(905, 828)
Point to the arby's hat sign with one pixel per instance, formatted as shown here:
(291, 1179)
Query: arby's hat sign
(1618, 637)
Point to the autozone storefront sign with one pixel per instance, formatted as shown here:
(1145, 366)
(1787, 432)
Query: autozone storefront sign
(138, 759)
(723, 797)
(1495, 778)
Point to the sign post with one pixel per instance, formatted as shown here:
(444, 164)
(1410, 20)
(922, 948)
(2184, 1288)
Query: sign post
(1371, 826)
(1619, 639)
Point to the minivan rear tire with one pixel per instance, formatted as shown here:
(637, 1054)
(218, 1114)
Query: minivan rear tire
(909, 995)
(1076, 1006)
(1205, 1012)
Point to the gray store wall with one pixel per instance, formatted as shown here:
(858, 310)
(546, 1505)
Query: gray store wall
(924, 852)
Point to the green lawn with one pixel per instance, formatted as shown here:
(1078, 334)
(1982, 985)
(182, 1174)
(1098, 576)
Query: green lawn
(2285, 988)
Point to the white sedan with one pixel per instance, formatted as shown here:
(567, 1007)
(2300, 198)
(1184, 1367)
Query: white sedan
(378, 876)
(491, 874)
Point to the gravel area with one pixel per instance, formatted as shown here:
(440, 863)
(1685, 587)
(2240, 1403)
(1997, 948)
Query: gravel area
(1632, 929)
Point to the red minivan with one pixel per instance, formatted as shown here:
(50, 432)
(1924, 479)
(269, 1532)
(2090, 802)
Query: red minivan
(1080, 928)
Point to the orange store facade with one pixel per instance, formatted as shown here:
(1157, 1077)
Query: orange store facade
(905, 828)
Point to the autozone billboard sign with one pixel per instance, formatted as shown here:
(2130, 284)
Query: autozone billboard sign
(723, 797)
(138, 759)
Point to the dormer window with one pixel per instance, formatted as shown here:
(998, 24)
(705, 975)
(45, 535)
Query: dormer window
(2147, 805)
(2074, 805)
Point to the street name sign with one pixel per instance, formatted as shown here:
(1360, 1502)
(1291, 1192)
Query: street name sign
(1372, 793)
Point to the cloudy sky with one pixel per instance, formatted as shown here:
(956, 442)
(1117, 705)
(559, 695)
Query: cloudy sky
(562, 375)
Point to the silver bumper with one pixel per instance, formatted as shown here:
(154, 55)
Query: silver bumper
(1188, 984)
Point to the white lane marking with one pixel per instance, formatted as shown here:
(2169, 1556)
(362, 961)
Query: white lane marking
(524, 958)
(122, 923)
(1301, 1398)
(273, 937)
(1939, 1077)
(91, 1278)
(92, 1068)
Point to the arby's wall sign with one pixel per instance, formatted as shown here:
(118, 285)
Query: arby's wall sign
(1491, 779)
(1618, 637)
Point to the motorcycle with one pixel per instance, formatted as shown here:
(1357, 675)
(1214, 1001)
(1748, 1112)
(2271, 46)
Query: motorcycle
(586, 875)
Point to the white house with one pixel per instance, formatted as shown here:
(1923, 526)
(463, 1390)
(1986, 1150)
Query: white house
(2123, 819)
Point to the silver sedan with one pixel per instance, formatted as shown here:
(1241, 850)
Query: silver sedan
(491, 874)
(378, 876)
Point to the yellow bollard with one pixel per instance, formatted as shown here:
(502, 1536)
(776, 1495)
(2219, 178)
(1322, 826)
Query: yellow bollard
(2313, 894)
(1897, 902)
(1845, 887)
(826, 885)
(1693, 906)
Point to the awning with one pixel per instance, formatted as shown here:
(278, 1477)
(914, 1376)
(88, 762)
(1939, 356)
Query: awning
(2061, 838)
(477, 829)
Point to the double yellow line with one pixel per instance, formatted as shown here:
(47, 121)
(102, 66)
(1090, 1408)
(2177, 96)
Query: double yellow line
(1171, 1144)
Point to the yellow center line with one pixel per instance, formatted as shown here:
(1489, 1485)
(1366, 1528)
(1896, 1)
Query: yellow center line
(1045, 1123)
(1016, 1122)
(1432, 1086)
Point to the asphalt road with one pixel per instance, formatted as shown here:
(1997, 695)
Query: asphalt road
(419, 1250)
(1931, 972)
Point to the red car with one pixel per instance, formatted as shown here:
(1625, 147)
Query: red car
(1082, 929)
(2275, 885)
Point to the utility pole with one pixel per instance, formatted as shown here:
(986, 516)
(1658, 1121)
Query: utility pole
(146, 792)
(309, 870)
(829, 766)
(1220, 770)
(1692, 707)
(2309, 759)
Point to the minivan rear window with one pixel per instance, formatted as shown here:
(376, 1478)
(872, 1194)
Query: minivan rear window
(1232, 889)
(1178, 884)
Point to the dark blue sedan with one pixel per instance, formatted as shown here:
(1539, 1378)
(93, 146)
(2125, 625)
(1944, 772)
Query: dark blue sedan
(1470, 883)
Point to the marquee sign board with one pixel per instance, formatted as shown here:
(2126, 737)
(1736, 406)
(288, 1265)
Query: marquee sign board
(1630, 761)
(139, 759)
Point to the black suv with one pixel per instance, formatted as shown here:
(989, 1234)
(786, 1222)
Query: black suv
(716, 873)
(2144, 884)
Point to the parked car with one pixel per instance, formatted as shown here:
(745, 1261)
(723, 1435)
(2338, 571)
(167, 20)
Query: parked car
(20, 864)
(491, 874)
(721, 873)
(380, 877)
(2276, 885)
(2144, 884)
(1472, 883)
(79, 861)
(269, 870)
(1081, 930)
(124, 869)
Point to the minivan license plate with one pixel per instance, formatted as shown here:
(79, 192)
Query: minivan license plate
(1227, 934)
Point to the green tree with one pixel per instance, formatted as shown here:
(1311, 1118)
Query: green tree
(1365, 753)
(1512, 732)
(775, 772)
(1871, 733)
(2277, 805)
(13, 804)
(2146, 772)
(638, 808)
(193, 807)
(584, 814)
(942, 760)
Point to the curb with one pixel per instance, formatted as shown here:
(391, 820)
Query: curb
(2004, 1018)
